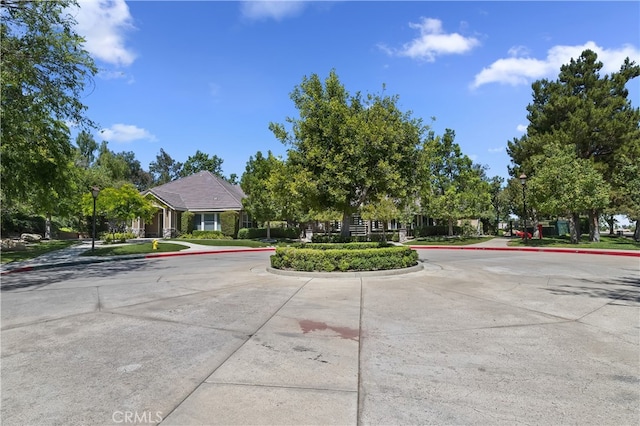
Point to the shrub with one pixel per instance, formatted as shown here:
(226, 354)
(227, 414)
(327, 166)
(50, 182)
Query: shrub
(186, 222)
(339, 246)
(205, 235)
(117, 237)
(255, 233)
(337, 238)
(436, 230)
(229, 222)
(368, 259)
(467, 229)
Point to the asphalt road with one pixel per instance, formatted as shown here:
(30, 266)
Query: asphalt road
(475, 338)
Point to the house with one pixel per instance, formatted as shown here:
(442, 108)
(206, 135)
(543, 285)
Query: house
(204, 194)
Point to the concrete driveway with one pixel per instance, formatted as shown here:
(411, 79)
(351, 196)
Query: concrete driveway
(474, 338)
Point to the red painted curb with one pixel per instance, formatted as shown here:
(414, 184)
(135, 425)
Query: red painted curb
(180, 253)
(532, 249)
(23, 269)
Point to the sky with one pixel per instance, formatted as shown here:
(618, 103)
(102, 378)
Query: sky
(212, 75)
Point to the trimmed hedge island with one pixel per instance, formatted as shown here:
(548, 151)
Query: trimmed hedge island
(343, 257)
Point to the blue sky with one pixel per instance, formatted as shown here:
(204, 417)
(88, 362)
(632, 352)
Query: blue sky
(211, 76)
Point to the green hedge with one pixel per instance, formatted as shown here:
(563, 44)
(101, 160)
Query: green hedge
(305, 259)
(205, 235)
(118, 237)
(229, 221)
(434, 230)
(254, 233)
(337, 238)
(340, 246)
(186, 222)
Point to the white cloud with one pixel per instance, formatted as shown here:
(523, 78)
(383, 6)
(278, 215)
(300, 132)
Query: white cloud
(104, 24)
(521, 128)
(277, 10)
(520, 68)
(497, 149)
(433, 42)
(124, 133)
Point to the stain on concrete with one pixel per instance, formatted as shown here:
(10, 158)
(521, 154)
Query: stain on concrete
(308, 326)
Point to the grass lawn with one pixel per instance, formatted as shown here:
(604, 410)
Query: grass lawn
(35, 250)
(446, 241)
(140, 248)
(606, 242)
(227, 243)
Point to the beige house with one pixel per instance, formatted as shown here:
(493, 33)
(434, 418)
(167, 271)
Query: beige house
(204, 194)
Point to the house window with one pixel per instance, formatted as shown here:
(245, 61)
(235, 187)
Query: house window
(206, 222)
(246, 221)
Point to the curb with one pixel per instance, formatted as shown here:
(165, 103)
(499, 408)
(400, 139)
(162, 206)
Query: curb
(262, 249)
(353, 274)
(533, 249)
(128, 257)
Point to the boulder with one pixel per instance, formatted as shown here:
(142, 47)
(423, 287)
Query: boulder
(12, 245)
(31, 238)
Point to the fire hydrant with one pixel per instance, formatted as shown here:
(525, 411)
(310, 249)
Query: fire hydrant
(154, 245)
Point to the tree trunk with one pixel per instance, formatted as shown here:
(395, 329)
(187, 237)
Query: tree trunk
(636, 234)
(574, 228)
(611, 219)
(47, 227)
(268, 230)
(346, 222)
(451, 227)
(594, 226)
(384, 231)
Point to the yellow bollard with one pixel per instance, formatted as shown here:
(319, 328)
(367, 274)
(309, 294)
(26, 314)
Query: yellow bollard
(154, 245)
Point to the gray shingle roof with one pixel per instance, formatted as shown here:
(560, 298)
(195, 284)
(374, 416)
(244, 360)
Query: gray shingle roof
(202, 191)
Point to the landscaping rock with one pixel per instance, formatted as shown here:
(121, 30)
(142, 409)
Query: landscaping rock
(31, 238)
(9, 244)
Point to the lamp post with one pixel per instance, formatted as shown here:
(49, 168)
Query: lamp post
(94, 193)
(523, 181)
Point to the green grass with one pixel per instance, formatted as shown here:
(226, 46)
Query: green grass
(606, 242)
(140, 248)
(227, 243)
(35, 250)
(447, 241)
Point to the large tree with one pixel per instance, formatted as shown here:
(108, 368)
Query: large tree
(119, 206)
(201, 161)
(164, 169)
(564, 185)
(261, 202)
(588, 113)
(43, 75)
(453, 187)
(357, 149)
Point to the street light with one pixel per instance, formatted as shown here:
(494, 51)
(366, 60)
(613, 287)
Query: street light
(94, 193)
(523, 181)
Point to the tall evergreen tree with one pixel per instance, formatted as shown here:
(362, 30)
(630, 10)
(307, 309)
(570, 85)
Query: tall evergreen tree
(590, 114)
(164, 169)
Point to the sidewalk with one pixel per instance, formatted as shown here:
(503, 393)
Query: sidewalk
(71, 256)
(502, 244)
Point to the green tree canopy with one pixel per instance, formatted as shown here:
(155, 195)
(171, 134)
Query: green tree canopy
(453, 187)
(43, 75)
(200, 162)
(261, 202)
(164, 169)
(588, 113)
(564, 184)
(355, 149)
(119, 206)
